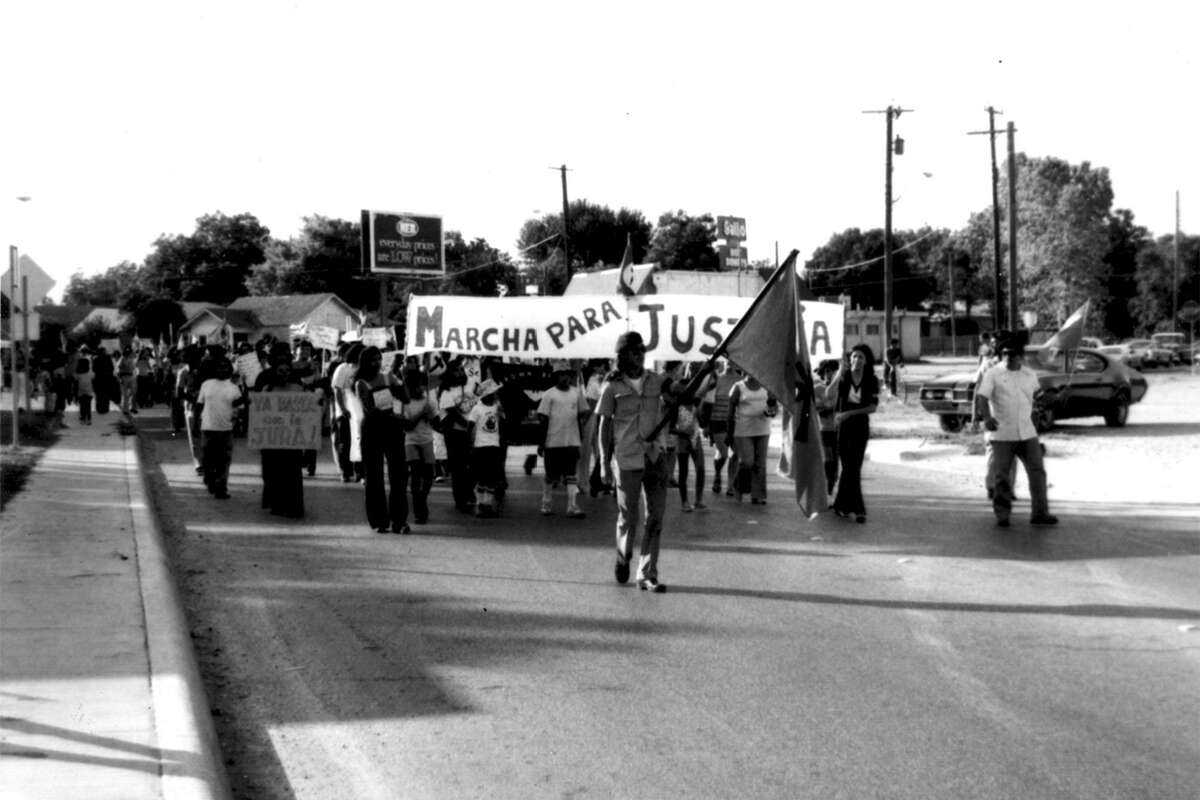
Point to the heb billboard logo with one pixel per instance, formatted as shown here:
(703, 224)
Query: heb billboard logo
(398, 243)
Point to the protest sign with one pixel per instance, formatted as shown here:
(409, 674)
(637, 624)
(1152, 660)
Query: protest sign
(284, 421)
(323, 337)
(675, 327)
(249, 367)
(375, 337)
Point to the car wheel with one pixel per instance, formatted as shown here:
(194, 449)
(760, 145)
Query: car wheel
(951, 423)
(1118, 414)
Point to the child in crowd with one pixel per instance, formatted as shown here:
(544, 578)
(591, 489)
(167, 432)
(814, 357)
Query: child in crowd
(84, 380)
(487, 455)
(827, 411)
(562, 411)
(689, 446)
(420, 416)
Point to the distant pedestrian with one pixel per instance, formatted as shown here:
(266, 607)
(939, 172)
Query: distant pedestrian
(216, 404)
(714, 419)
(1005, 404)
(856, 392)
(487, 451)
(632, 404)
(893, 361)
(127, 374)
(344, 436)
(562, 412)
(689, 450)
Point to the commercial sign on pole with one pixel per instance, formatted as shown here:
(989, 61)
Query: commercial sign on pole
(398, 243)
(731, 254)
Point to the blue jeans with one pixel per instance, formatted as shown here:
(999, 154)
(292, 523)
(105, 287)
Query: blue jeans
(631, 484)
(1029, 451)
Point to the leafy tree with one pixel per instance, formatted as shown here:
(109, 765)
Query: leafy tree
(851, 263)
(477, 268)
(685, 242)
(1126, 242)
(120, 286)
(158, 318)
(325, 256)
(1156, 274)
(1062, 234)
(213, 263)
(598, 236)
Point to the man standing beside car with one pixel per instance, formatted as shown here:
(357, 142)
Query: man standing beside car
(1004, 402)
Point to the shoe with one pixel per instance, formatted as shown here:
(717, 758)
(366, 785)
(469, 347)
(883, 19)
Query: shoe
(575, 513)
(699, 506)
(861, 519)
(621, 571)
(717, 486)
(686, 507)
(1043, 519)
(221, 495)
(401, 529)
(757, 502)
(729, 492)
(842, 514)
(1003, 523)
(545, 508)
(312, 472)
(651, 585)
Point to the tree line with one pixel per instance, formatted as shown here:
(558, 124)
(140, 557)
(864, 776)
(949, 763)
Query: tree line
(1072, 245)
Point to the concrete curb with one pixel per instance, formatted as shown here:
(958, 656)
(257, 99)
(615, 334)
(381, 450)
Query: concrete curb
(182, 718)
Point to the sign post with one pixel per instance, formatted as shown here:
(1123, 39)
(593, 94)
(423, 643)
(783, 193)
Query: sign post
(732, 255)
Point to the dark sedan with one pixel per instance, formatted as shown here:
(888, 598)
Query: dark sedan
(1079, 383)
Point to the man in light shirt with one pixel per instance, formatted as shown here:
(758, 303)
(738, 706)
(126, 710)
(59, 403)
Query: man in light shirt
(1004, 401)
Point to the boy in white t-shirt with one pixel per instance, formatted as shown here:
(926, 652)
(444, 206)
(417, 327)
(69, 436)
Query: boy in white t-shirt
(487, 454)
(562, 411)
(217, 399)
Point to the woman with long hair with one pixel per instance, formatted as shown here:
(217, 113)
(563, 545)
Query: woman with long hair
(855, 390)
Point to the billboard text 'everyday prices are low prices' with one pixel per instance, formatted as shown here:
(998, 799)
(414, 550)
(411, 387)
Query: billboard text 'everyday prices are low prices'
(399, 243)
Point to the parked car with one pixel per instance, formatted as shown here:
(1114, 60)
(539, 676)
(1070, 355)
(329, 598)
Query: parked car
(1091, 342)
(1076, 383)
(1174, 344)
(1127, 355)
(1152, 354)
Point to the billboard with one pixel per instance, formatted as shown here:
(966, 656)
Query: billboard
(400, 243)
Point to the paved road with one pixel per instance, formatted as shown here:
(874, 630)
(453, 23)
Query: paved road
(923, 655)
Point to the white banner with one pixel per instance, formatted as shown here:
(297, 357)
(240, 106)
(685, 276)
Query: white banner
(675, 327)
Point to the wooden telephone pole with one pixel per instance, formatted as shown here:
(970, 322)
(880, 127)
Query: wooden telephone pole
(997, 269)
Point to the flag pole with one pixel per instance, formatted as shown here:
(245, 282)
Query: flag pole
(694, 383)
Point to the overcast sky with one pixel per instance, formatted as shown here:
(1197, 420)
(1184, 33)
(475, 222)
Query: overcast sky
(127, 120)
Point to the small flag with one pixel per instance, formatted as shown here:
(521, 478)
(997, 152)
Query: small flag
(1071, 332)
(625, 273)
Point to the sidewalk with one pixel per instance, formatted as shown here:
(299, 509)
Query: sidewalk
(100, 696)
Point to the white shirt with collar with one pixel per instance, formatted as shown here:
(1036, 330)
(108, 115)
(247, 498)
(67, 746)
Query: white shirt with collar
(1009, 393)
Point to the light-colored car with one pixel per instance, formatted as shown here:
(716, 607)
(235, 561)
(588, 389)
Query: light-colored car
(1151, 354)
(1091, 342)
(1172, 343)
(1127, 355)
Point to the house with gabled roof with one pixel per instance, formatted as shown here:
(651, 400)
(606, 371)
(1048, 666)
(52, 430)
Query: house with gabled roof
(249, 319)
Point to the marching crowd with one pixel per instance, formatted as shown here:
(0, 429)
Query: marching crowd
(399, 425)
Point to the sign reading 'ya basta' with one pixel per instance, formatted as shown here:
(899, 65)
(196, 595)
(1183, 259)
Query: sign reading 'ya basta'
(675, 327)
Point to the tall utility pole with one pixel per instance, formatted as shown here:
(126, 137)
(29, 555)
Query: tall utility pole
(1175, 273)
(893, 146)
(998, 302)
(566, 223)
(953, 330)
(1012, 228)
(14, 265)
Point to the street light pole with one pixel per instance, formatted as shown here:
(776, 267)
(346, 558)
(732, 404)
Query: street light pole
(896, 146)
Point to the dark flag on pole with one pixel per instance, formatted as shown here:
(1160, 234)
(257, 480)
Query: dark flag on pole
(770, 343)
(625, 274)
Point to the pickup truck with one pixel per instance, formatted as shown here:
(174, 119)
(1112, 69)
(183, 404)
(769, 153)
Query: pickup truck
(1173, 343)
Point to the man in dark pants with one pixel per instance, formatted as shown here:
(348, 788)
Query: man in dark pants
(340, 383)
(632, 402)
(1004, 401)
(893, 360)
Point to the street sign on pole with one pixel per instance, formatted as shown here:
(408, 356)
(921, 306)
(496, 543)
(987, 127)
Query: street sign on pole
(40, 283)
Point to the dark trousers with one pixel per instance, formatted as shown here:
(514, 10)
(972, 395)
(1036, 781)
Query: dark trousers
(85, 408)
(341, 446)
(420, 475)
(852, 449)
(458, 454)
(283, 486)
(383, 444)
(829, 447)
(218, 454)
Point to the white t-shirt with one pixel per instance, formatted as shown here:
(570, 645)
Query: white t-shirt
(563, 407)
(487, 424)
(217, 397)
(1010, 396)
